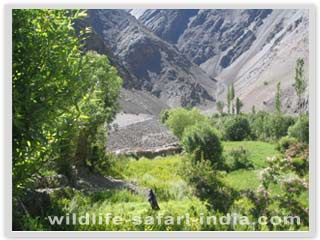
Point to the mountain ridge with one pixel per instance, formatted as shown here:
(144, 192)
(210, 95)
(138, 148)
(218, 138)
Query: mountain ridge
(158, 67)
(247, 47)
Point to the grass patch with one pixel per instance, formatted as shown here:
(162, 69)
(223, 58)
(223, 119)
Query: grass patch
(242, 179)
(134, 209)
(249, 179)
(258, 151)
(161, 174)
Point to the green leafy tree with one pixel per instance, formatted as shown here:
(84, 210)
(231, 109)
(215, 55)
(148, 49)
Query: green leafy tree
(59, 93)
(253, 109)
(97, 107)
(203, 141)
(179, 119)
(232, 96)
(300, 130)
(277, 125)
(266, 126)
(46, 67)
(300, 85)
(208, 184)
(237, 129)
(220, 106)
(278, 99)
(239, 105)
(229, 99)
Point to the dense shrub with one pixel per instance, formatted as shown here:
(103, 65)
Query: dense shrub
(300, 165)
(237, 129)
(287, 202)
(300, 129)
(164, 115)
(203, 141)
(257, 124)
(299, 154)
(285, 143)
(278, 125)
(180, 118)
(297, 149)
(239, 159)
(208, 184)
(218, 122)
(266, 126)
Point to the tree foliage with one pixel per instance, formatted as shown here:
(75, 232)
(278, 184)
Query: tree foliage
(228, 99)
(232, 96)
(220, 106)
(239, 105)
(203, 141)
(61, 96)
(278, 98)
(179, 119)
(237, 129)
(300, 130)
(299, 85)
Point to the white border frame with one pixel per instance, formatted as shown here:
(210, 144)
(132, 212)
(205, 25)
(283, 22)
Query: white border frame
(7, 127)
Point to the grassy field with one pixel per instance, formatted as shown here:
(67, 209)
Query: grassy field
(249, 179)
(175, 196)
(128, 206)
(161, 174)
(258, 153)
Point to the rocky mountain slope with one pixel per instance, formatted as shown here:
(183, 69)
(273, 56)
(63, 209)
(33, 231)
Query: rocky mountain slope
(157, 66)
(132, 99)
(181, 57)
(253, 48)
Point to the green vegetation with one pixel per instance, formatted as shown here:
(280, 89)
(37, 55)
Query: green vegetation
(269, 127)
(257, 151)
(285, 143)
(62, 97)
(239, 105)
(220, 106)
(243, 179)
(238, 159)
(255, 164)
(278, 98)
(300, 130)
(160, 174)
(300, 85)
(179, 119)
(237, 129)
(203, 141)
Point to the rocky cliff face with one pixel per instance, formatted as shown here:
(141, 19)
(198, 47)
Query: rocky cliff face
(157, 66)
(132, 99)
(219, 36)
(253, 48)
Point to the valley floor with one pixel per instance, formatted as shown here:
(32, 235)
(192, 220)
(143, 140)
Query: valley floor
(174, 195)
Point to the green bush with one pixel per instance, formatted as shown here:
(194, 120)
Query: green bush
(299, 153)
(266, 126)
(300, 130)
(301, 166)
(237, 129)
(180, 118)
(239, 159)
(257, 124)
(208, 184)
(285, 143)
(203, 141)
(164, 115)
(278, 125)
(218, 122)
